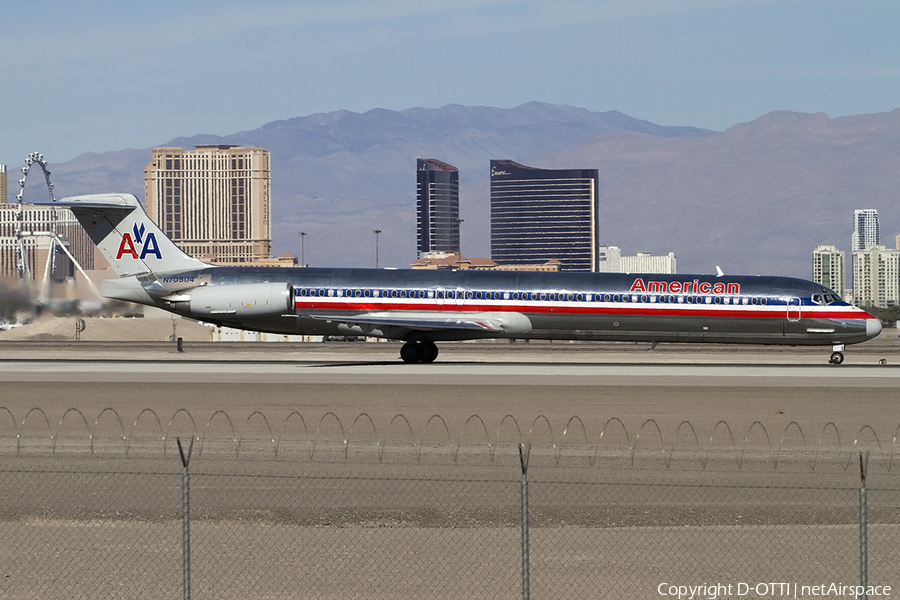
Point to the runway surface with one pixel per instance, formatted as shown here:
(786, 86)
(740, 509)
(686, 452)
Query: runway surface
(703, 385)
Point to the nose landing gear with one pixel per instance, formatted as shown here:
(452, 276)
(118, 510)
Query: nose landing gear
(419, 352)
(837, 354)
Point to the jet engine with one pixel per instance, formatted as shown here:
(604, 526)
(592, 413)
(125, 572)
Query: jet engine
(241, 300)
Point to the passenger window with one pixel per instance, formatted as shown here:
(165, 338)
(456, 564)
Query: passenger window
(762, 300)
(709, 299)
(745, 301)
(643, 298)
(606, 298)
(330, 293)
(367, 293)
(579, 297)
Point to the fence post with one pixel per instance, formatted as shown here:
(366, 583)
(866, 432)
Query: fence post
(863, 525)
(524, 454)
(185, 518)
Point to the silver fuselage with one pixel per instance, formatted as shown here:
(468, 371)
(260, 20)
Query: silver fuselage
(402, 304)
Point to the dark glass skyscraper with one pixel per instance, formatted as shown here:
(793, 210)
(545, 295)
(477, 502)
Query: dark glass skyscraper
(437, 206)
(542, 214)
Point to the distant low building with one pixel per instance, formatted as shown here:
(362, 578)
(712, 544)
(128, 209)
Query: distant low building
(612, 261)
(446, 260)
(285, 260)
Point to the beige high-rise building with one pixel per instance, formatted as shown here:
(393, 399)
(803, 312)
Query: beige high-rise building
(213, 202)
(876, 277)
(828, 267)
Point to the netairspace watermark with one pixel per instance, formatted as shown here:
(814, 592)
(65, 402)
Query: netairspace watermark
(714, 591)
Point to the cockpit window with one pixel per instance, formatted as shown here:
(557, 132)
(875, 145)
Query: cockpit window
(817, 299)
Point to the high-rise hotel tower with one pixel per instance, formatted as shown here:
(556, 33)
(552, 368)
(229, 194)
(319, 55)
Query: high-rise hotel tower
(543, 214)
(437, 207)
(828, 267)
(865, 230)
(213, 202)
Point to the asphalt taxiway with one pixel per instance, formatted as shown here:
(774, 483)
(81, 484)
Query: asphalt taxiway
(553, 381)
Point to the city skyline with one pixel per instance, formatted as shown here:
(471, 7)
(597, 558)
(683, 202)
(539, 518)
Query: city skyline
(711, 199)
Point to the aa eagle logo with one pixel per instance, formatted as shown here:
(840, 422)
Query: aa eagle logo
(130, 244)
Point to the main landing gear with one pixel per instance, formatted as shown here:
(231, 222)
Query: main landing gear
(419, 352)
(837, 354)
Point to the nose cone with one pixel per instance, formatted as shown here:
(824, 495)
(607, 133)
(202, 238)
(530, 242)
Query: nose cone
(873, 328)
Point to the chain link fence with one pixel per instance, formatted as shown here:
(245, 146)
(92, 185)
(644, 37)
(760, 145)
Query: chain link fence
(346, 511)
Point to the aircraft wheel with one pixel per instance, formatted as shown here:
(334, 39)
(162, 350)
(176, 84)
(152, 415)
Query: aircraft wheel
(411, 352)
(836, 358)
(429, 351)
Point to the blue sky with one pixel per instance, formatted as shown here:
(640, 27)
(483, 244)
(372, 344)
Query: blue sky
(97, 76)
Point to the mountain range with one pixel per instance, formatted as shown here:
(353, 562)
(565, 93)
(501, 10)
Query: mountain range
(756, 198)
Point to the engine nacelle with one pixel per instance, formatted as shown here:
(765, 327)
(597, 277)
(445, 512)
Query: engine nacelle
(241, 300)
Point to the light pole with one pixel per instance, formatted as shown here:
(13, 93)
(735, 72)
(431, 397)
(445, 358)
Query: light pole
(302, 248)
(376, 232)
(458, 243)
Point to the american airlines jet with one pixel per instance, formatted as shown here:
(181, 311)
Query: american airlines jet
(424, 307)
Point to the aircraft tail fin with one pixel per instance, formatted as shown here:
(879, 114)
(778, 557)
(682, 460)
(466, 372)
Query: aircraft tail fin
(125, 235)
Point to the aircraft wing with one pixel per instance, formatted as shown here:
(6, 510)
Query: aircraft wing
(430, 321)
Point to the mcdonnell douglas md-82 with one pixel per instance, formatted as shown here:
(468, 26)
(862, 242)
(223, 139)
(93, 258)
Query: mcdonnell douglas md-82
(424, 307)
